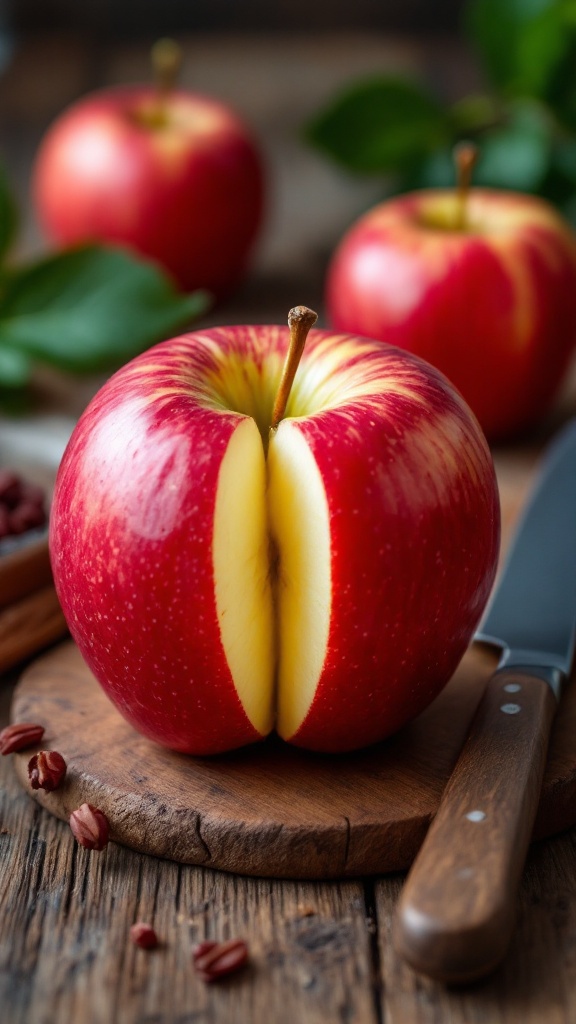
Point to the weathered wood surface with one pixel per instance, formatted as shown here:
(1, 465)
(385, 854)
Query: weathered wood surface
(321, 952)
(270, 810)
(30, 615)
(457, 911)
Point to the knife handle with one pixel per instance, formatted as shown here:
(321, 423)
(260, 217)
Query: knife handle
(457, 911)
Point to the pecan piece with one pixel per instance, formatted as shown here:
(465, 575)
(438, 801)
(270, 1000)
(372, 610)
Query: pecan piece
(19, 736)
(143, 935)
(90, 827)
(214, 960)
(46, 770)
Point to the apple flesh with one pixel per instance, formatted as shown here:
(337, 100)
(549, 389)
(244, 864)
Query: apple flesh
(323, 578)
(492, 305)
(182, 185)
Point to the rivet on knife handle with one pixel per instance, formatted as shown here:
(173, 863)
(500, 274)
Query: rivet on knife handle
(457, 911)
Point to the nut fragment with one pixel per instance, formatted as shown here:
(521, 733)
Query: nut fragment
(90, 827)
(46, 770)
(214, 960)
(22, 505)
(143, 935)
(19, 736)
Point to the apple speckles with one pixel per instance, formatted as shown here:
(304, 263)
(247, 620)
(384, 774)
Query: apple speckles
(137, 569)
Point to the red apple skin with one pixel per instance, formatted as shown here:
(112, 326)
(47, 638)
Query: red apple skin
(188, 194)
(133, 561)
(414, 524)
(410, 583)
(493, 307)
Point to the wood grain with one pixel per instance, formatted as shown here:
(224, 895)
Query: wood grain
(456, 914)
(29, 625)
(321, 952)
(65, 952)
(536, 984)
(269, 809)
(30, 615)
(65, 914)
(24, 571)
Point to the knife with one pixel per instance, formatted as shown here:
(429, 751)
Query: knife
(456, 913)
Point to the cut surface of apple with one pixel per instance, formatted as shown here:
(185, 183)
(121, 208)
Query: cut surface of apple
(322, 578)
(271, 550)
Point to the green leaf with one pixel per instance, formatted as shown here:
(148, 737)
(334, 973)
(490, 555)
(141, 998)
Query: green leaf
(379, 126)
(8, 216)
(564, 159)
(521, 42)
(15, 368)
(474, 113)
(91, 308)
(435, 171)
(517, 155)
(559, 186)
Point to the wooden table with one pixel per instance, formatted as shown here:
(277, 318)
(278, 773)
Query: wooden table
(319, 952)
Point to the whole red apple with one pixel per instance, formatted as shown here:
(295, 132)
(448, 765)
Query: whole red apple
(226, 568)
(490, 301)
(177, 178)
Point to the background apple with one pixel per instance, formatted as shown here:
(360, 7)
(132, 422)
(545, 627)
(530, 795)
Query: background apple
(325, 575)
(488, 297)
(172, 174)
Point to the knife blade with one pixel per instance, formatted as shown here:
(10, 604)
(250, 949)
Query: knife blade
(456, 913)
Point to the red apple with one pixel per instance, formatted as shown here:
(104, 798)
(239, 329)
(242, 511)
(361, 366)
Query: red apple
(490, 302)
(176, 178)
(323, 576)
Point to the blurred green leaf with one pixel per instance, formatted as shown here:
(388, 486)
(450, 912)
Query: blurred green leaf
(475, 113)
(564, 159)
(524, 123)
(520, 41)
(517, 154)
(15, 368)
(435, 171)
(8, 216)
(379, 125)
(559, 186)
(90, 308)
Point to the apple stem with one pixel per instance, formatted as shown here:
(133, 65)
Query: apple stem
(465, 157)
(300, 320)
(166, 63)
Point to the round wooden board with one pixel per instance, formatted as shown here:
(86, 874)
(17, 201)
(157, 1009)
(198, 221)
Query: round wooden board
(269, 809)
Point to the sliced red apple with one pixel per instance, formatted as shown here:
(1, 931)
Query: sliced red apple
(324, 576)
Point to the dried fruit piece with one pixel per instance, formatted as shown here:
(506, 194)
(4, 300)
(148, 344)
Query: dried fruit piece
(25, 517)
(143, 935)
(19, 736)
(90, 827)
(22, 506)
(10, 487)
(46, 770)
(214, 960)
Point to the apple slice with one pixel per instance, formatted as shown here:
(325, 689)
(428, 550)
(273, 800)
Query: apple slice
(242, 577)
(300, 527)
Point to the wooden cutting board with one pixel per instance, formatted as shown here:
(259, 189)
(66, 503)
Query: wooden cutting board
(269, 809)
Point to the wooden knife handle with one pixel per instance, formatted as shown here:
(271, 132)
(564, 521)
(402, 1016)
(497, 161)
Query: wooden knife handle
(456, 914)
